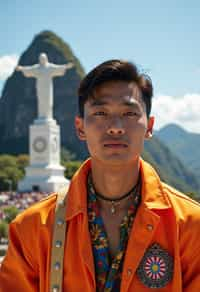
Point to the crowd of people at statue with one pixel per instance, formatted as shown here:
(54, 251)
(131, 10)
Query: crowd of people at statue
(19, 200)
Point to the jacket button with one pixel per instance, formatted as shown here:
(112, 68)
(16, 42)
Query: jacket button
(55, 288)
(58, 243)
(129, 272)
(57, 266)
(60, 222)
(61, 203)
(150, 227)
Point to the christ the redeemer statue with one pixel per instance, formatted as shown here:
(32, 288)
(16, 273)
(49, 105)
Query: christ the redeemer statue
(44, 72)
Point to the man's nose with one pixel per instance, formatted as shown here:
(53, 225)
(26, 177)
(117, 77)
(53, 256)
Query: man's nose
(116, 127)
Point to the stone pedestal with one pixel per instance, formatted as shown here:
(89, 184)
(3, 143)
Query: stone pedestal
(44, 172)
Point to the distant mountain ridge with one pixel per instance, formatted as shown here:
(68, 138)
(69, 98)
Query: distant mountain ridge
(185, 145)
(171, 169)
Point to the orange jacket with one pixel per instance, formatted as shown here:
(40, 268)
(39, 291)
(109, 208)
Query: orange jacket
(165, 217)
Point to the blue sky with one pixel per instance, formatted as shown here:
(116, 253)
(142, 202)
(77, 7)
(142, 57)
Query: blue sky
(162, 37)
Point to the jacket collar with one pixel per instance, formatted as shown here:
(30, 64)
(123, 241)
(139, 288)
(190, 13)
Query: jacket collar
(153, 196)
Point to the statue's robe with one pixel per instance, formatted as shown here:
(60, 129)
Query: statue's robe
(44, 85)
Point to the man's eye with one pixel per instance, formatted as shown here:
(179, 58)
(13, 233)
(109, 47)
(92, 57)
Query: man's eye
(100, 113)
(130, 114)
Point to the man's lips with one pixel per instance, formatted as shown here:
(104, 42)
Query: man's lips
(115, 144)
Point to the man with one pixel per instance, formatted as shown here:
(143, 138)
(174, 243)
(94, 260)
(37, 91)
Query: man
(127, 231)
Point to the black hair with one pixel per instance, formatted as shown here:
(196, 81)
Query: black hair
(115, 70)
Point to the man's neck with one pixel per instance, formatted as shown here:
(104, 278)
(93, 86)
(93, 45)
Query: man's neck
(113, 181)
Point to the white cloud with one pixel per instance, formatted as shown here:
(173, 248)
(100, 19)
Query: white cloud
(184, 111)
(7, 65)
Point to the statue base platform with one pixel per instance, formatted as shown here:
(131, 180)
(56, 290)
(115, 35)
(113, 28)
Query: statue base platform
(43, 179)
(44, 173)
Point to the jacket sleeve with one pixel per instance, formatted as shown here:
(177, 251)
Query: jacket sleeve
(191, 276)
(190, 255)
(18, 272)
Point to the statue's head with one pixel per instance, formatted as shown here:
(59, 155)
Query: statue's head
(43, 59)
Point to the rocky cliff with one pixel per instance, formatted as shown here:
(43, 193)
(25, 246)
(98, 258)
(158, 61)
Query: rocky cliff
(19, 103)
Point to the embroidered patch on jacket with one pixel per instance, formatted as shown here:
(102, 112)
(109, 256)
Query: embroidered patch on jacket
(156, 268)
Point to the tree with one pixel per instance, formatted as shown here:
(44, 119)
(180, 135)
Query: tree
(10, 173)
(71, 168)
(22, 161)
(3, 229)
(66, 155)
(10, 213)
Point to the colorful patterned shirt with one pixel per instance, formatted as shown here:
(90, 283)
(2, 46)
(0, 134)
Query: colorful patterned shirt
(108, 269)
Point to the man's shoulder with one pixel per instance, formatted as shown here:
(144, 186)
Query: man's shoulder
(183, 205)
(39, 211)
(179, 195)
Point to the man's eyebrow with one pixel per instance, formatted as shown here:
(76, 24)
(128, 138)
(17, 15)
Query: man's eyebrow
(132, 103)
(101, 102)
(97, 102)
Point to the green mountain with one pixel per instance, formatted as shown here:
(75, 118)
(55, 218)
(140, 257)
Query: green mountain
(19, 103)
(184, 144)
(170, 168)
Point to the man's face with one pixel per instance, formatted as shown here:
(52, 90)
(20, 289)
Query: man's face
(115, 123)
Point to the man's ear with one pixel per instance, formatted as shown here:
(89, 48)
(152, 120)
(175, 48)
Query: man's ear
(149, 131)
(79, 125)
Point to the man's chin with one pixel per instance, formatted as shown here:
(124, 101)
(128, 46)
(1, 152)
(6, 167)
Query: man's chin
(117, 159)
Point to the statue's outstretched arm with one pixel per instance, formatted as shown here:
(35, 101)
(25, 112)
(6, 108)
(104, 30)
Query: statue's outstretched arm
(69, 66)
(59, 70)
(28, 71)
